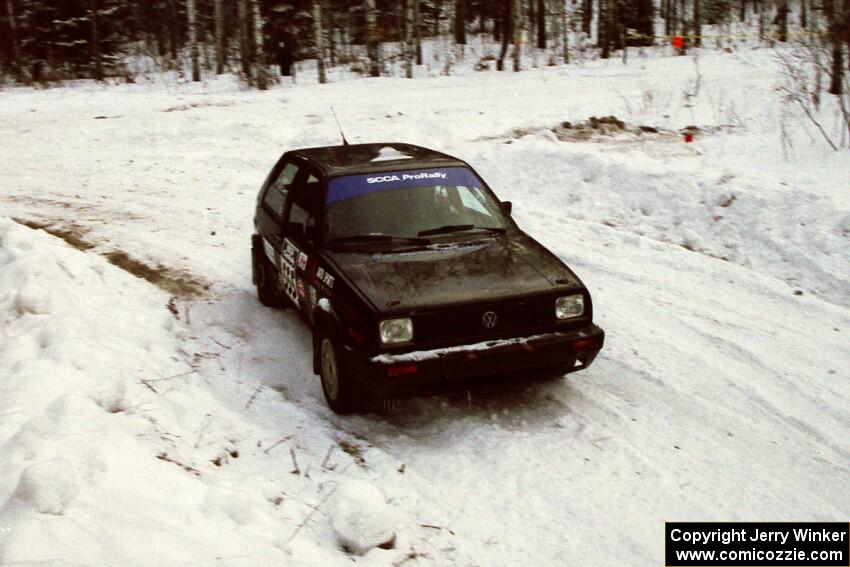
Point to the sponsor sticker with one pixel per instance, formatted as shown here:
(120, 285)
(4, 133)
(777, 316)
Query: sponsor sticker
(406, 177)
(350, 186)
(289, 252)
(320, 274)
(329, 280)
(302, 261)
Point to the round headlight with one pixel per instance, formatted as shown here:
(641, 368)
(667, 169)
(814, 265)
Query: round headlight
(396, 330)
(569, 307)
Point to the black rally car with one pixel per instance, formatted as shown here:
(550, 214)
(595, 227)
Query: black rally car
(412, 274)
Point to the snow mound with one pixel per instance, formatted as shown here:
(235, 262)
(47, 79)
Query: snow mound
(360, 517)
(49, 486)
(389, 153)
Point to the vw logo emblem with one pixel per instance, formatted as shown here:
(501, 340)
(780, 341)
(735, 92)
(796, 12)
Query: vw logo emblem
(489, 320)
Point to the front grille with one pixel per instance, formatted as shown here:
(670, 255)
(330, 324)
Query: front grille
(516, 317)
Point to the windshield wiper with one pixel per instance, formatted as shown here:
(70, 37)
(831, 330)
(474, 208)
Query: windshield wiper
(378, 238)
(450, 228)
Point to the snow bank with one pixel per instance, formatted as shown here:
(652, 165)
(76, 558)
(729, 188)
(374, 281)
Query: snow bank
(113, 454)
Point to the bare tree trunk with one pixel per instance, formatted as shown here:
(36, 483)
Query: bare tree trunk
(837, 75)
(95, 41)
(602, 39)
(541, 24)
(332, 39)
(782, 20)
(372, 39)
(244, 44)
(193, 39)
(517, 18)
(319, 41)
(13, 36)
(417, 31)
(586, 16)
(408, 45)
(220, 47)
(460, 22)
(507, 10)
(498, 24)
(204, 45)
(261, 73)
(697, 24)
(565, 27)
(173, 30)
(833, 10)
(156, 17)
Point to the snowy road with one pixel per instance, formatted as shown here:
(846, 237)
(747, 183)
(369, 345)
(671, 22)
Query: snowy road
(720, 273)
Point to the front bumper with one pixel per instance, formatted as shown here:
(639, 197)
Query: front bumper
(459, 367)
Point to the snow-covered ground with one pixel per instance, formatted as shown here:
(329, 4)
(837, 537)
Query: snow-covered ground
(172, 420)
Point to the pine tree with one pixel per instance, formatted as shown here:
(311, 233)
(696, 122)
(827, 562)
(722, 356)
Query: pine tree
(73, 38)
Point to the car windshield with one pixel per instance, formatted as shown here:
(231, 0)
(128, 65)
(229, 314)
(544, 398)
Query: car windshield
(405, 206)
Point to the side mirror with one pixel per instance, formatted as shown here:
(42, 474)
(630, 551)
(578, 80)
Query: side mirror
(293, 229)
(507, 207)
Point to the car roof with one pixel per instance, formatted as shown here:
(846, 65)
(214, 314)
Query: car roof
(353, 159)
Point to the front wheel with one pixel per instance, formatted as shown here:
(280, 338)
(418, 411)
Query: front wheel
(339, 389)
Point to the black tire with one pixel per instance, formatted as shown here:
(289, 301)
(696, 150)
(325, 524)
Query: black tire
(264, 278)
(341, 392)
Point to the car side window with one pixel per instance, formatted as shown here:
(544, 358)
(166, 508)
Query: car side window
(303, 209)
(275, 197)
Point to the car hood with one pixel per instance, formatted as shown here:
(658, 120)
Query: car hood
(452, 273)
